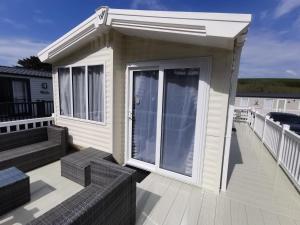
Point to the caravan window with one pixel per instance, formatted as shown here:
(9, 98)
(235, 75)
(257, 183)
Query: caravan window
(81, 92)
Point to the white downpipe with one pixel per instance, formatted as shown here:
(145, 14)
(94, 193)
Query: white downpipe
(230, 111)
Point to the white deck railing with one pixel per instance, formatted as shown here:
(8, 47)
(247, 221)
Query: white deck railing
(272, 135)
(289, 157)
(282, 143)
(17, 125)
(259, 123)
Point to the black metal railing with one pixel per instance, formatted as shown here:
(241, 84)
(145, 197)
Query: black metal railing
(25, 110)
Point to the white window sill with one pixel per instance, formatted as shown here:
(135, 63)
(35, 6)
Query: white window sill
(82, 120)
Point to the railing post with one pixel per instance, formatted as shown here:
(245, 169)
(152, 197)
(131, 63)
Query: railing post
(248, 116)
(255, 119)
(281, 142)
(252, 119)
(264, 128)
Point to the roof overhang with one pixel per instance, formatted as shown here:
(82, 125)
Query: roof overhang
(206, 29)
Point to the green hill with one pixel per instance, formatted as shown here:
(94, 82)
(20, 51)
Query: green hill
(268, 86)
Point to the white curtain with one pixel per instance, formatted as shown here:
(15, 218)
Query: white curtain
(79, 95)
(64, 91)
(144, 115)
(179, 119)
(96, 93)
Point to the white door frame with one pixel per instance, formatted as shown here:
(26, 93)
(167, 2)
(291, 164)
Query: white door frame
(204, 63)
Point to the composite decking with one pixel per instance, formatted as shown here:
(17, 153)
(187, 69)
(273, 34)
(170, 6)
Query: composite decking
(47, 189)
(259, 193)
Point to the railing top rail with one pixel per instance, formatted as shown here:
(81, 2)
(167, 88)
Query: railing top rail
(273, 123)
(293, 135)
(241, 108)
(16, 122)
(259, 115)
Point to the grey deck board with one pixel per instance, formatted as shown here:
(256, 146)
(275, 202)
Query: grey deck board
(176, 213)
(192, 210)
(254, 215)
(223, 211)
(297, 222)
(286, 221)
(270, 218)
(259, 193)
(208, 211)
(148, 195)
(161, 209)
(238, 213)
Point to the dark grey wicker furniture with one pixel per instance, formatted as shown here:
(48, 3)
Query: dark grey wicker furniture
(33, 148)
(108, 200)
(76, 166)
(14, 189)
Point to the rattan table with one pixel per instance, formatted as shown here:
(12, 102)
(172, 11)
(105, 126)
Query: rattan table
(76, 166)
(14, 189)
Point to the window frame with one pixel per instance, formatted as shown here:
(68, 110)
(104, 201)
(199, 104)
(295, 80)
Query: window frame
(71, 117)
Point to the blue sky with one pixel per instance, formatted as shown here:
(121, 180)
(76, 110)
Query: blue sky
(272, 48)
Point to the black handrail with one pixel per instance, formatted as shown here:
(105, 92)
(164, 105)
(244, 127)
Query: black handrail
(25, 110)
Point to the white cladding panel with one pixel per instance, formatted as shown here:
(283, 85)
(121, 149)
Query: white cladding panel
(87, 133)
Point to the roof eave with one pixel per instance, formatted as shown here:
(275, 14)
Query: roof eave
(199, 28)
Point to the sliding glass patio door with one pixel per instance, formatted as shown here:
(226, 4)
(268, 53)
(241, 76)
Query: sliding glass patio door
(179, 120)
(144, 115)
(163, 117)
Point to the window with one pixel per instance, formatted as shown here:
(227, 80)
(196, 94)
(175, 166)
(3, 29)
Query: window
(81, 92)
(78, 88)
(20, 90)
(95, 86)
(64, 91)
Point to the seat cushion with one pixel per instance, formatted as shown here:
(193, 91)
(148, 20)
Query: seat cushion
(21, 138)
(83, 158)
(27, 149)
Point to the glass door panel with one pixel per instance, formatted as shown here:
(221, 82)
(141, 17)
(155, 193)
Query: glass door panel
(144, 115)
(179, 119)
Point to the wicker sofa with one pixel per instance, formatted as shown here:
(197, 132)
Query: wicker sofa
(33, 148)
(110, 199)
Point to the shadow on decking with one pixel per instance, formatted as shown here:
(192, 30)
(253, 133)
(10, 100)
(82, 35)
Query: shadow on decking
(235, 156)
(142, 209)
(38, 190)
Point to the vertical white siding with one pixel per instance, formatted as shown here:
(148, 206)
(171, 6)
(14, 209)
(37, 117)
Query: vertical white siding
(85, 133)
(37, 92)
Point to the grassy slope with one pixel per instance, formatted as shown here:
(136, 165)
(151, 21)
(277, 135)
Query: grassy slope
(267, 85)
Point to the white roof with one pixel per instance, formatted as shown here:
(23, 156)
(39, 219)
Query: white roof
(207, 29)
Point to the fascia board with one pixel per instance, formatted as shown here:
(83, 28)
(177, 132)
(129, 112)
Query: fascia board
(80, 31)
(233, 17)
(190, 26)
